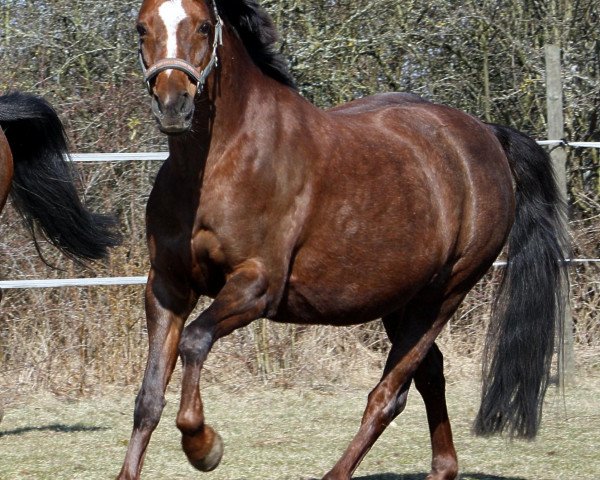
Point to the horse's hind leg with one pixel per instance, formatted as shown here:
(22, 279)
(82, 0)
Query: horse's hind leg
(412, 344)
(431, 384)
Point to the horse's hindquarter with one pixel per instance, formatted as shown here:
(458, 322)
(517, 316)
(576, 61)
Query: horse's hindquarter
(6, 169)
(408, 196)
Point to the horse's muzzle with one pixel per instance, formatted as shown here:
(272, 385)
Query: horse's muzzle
(174, 114)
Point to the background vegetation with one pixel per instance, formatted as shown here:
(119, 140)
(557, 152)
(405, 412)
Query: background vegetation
(482, 56)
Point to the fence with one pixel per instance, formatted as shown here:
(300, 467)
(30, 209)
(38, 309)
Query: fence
(161, 156)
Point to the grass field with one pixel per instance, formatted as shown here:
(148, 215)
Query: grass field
(278, 434)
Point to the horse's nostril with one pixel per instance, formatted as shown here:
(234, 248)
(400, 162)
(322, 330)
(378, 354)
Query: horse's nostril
(185, 103)
(157, 104)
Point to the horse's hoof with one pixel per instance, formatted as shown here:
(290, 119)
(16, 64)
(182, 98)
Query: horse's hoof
(335, 476)
(205, 450)
(448, 474)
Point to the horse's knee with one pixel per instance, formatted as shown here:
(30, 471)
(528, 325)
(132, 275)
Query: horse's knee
(148, 409)
(194, 345)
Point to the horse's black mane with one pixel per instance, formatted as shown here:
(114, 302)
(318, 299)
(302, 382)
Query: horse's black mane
(259, 35)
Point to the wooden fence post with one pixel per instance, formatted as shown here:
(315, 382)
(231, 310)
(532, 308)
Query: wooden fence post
(554, 95)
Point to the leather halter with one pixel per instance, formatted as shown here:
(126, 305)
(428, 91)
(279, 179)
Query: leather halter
(199, 77)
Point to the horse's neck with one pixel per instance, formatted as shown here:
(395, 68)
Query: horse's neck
(237, 84)
(221, 111)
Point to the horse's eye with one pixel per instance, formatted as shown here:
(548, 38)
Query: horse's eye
(204, 28)
(141, 30)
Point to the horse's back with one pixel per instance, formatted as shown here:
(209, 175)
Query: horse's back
(435, 139)
(377, 101)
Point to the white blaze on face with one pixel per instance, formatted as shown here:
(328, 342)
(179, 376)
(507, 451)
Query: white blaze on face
(171, 13)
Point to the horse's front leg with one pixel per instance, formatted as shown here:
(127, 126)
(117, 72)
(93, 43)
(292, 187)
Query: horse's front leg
(166, 310)
(242, 300)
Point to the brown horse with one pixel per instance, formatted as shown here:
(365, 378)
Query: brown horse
(388, 207)
(33, 169)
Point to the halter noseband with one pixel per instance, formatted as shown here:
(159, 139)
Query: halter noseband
(182, 65)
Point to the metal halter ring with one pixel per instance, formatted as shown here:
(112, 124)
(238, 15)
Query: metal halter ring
(199, 77)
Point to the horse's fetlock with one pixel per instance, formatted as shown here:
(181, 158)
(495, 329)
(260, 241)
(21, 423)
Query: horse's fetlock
(444, 468)
(189, 424)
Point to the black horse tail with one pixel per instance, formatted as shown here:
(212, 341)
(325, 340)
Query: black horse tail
(531, 300)
(43, 189)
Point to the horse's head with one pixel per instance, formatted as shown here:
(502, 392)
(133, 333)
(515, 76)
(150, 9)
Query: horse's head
(178, 50)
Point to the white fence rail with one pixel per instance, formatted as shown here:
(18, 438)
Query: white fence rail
(118, 157)
(73, 282)
(566, 143)
(118, 281)
(161, 156)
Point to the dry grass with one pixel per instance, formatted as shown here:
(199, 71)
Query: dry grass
(295, 433)
(75, 341)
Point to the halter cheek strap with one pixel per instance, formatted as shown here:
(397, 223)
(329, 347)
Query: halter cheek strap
(199, 77)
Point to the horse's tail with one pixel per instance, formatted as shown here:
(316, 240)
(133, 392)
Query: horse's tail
(43, 190)
(531, 299)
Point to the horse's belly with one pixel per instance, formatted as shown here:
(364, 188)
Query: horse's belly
(303, 308)
(342, 297)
